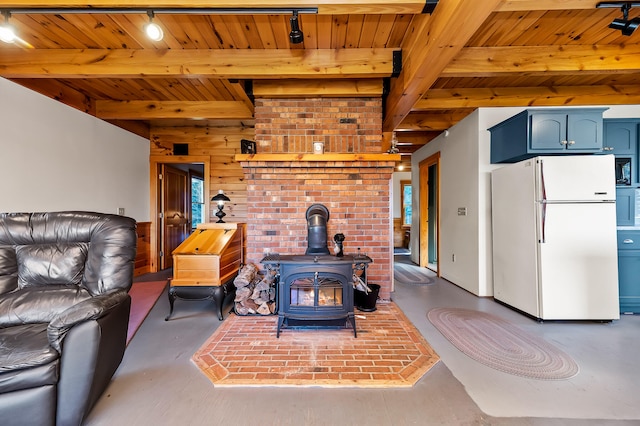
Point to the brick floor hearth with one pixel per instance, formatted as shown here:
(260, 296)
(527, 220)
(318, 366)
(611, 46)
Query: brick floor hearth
(388, 352)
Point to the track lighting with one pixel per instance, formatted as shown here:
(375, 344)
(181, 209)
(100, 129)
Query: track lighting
(295, 35)
(7, 34)
(626, 26)
(153, 30)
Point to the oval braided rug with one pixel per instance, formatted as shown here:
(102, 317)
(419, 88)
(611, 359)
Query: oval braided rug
(498, 344)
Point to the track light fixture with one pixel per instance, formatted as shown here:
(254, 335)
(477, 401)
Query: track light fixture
(7, 34)
(295, 35)
(153, 30)
(624, 24)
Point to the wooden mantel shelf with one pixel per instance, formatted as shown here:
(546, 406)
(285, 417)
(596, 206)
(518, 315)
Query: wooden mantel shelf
(317, 157)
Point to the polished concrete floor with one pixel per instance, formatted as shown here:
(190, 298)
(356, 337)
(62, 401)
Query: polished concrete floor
(157, 384)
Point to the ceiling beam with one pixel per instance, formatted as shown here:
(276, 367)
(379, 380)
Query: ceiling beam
(543, 60)
(528, 96)
(528, 5)
(324, 6)
(151, 110)
(431, 121)
(318, 88)
(214, 63)
(434, 41)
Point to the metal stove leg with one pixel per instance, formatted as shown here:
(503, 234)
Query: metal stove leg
(280, 322)
(352, 318)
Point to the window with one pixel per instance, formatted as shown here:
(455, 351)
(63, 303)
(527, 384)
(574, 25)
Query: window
(197, 201)
(405, 200)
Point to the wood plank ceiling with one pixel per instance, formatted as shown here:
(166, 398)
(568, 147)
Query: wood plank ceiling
(466, 54)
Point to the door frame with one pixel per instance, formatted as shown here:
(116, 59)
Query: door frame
(423, 243)
(154, 185)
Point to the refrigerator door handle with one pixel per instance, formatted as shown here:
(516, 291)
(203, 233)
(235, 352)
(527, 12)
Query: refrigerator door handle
(543, 189)
(543, 222)
(543, 203)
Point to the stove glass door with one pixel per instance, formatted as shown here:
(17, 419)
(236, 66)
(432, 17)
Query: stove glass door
(315, 291)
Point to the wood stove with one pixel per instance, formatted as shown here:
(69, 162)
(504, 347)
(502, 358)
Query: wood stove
(316, 290)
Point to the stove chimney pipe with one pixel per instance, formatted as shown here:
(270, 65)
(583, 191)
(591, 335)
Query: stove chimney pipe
(317, 218)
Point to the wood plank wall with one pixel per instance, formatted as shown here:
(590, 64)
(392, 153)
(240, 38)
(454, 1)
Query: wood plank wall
(221, 144)
(143, 253)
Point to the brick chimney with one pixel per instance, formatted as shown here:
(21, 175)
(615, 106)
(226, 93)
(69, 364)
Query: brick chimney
(355, 188)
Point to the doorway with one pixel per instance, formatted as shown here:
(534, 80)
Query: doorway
(171, 204)
(175, 214)
(430, 212)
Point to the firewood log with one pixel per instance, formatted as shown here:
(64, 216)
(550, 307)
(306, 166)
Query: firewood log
(256, 293)
(246, 275)
(242, 293)
(262, 298)
(241, 310)
(263, 309)
(263, 285)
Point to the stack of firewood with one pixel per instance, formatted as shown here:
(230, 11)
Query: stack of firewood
(255, 293)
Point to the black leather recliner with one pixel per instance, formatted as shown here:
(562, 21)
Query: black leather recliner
(64, 311)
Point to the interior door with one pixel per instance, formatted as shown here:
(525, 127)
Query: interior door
(429, 212)
(175, 211)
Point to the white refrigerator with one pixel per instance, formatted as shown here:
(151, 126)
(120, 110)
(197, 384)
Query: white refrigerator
(554, 237)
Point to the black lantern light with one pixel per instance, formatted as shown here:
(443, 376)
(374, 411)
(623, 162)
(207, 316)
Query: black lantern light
(220, 198)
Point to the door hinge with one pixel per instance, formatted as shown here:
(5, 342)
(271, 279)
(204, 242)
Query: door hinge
(161, 254)
(160, 176)
(161, 215)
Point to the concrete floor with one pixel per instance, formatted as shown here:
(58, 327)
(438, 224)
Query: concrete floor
(158, 385)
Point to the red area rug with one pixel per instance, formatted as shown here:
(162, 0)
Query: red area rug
(143, 296)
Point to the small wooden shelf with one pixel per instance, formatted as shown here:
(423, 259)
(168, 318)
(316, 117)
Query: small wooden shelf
(317, 157)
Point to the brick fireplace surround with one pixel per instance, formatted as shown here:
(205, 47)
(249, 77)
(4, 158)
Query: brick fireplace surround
(357, 191)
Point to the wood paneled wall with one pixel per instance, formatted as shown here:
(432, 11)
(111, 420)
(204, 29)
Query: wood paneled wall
(143, 252)
(220, 144)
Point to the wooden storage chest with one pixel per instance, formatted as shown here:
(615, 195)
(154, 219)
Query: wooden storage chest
(205, 264)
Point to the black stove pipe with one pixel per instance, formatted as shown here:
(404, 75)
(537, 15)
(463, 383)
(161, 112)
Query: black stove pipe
(317, 218)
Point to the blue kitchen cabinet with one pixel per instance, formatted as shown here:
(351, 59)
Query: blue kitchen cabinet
(536, 132)
(620, 136)
(625, 206)
(629, 270)
(621, 139)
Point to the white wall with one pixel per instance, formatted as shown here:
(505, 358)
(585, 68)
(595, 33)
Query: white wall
(465, 172)
(57, 158)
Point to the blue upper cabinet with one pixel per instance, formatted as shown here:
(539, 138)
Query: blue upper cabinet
(546, 132)
(621, 139)
(620, 136)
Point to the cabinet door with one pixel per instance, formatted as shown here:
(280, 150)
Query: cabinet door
(548, 132)
(625, 206)
(584, 132)
(629, 280)
(620, 137)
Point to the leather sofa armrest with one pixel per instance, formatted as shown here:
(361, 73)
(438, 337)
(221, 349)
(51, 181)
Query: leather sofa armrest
(90, 309)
